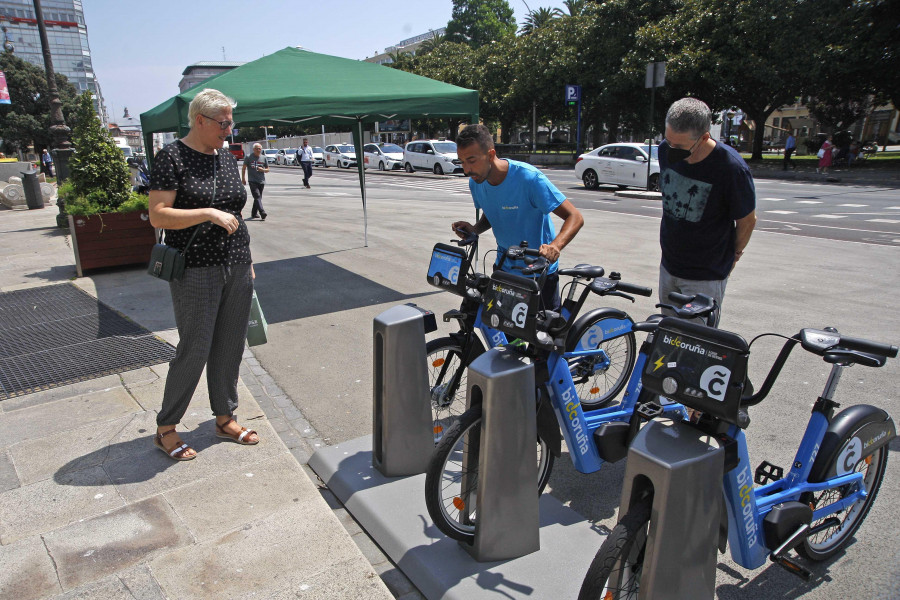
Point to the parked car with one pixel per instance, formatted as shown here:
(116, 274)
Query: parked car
(624, 165)
(286, 156)
(237, 150)
(340, 155)
(271, 155)
(318, 156)
(438, 156)
(383, 156)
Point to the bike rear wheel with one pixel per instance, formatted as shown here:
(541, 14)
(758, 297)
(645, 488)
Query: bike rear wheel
(446, 383)
(615, 572)
(451, 482)
(597, 385)
(828, 542)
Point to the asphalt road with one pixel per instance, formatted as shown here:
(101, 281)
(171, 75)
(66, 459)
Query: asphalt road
(320, 287)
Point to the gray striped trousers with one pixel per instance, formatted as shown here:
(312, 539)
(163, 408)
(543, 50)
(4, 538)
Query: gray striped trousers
(212, 306)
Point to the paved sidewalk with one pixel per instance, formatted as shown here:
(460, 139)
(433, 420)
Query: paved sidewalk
(89, 508)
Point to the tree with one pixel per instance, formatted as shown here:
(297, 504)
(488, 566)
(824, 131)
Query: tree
(575, 7)
(431, 44)
(97, 170)
(26, 120)
(539, 18)
(480, 22)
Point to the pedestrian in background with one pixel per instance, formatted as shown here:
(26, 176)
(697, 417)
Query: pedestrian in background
(790, 146)
(709, 207)
(195, 184)
(47, 162)
(258, 166)
(305, 157)
(825, 155)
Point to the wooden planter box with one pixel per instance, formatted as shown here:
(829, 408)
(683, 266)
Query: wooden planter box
(111, 240)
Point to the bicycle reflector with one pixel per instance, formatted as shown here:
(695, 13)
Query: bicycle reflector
(698, 366)
(448, 268)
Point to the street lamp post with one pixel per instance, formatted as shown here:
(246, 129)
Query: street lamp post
(62, 147)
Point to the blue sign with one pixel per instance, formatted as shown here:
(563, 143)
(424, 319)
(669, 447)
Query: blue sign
(573, 94)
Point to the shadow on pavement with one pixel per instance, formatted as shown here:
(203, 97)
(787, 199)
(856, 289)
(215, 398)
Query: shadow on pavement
(308, 286)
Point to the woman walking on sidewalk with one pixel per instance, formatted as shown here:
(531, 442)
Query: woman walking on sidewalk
(195, 185)
(825, 156)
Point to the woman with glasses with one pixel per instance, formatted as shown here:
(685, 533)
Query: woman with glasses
(195, 187)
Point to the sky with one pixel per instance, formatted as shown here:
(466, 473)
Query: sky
(140, 49)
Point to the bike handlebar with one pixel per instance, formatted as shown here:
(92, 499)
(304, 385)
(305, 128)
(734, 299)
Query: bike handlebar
(637, 290)
(886, 350)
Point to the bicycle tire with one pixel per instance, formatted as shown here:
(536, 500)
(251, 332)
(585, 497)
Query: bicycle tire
(825, 544)
(453, 509)
(446, 383)
(620, 559)
(598, 388)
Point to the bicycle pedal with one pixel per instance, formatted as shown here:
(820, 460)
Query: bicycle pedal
(648, 410)
(792, 567)
(767, 472)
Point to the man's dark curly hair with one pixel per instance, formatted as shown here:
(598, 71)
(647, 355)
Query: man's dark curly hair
(475, 134)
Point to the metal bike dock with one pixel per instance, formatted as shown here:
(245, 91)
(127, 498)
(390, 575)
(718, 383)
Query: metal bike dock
(507, 524)
(674, 458)
(402, 437)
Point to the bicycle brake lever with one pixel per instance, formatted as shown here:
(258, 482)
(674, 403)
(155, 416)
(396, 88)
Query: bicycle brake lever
(621, 294)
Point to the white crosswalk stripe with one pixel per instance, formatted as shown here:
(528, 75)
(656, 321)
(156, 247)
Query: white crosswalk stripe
(809, 202)
(773, 199)
(782, 212)
(830, 216)
(891, 221)
(854, 205)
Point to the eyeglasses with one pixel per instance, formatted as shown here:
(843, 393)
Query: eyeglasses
(223, 125)
(691, 149)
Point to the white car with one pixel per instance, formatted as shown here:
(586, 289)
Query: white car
(271, 155)
(286, 156)
(438, 156)
(624, 165)
(382, 156)
(318, 156)
(340, 155)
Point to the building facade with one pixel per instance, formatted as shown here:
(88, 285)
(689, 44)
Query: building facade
(201, 71)
(407, 46)
(68, 38)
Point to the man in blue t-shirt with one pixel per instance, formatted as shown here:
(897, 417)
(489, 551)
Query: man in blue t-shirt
(709, 206)
(516, 200)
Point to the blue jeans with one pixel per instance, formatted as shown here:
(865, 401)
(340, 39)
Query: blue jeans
(307, 171)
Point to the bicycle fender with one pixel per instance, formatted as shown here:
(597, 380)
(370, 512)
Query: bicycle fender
(580, 327)
(853, 434)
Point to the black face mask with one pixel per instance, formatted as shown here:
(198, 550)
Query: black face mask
(677, 154)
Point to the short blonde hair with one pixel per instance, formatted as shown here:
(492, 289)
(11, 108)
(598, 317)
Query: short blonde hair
(208, 102)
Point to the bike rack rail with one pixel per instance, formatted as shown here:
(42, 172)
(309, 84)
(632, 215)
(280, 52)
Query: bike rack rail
(507, 503)
(684, 467)
(402, 437)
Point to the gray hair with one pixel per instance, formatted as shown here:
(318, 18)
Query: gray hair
(689, 115)
(208, 102)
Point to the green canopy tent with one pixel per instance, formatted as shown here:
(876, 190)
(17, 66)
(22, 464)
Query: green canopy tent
(302, 87)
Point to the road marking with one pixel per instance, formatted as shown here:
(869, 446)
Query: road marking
(830, 216)
(656, 207)
(893, 207)
(606, 201)
(773, 199)
(829, 227)
(809, 202)
(892, 221)
(854, 205)
(782, 212)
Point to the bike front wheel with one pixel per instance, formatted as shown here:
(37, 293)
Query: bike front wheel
(826, 543)
(451, 482)
(598, 383)
(615, 572)
(446, 383)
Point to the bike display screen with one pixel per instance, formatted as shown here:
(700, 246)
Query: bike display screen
(447, 269)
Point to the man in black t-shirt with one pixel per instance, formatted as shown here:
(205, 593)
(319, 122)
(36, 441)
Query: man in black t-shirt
(709, 206)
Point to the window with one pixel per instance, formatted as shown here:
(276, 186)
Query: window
(626, 153)
(775, 122)
(607, 152)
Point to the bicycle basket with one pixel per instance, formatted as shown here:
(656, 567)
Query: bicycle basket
(698, 366)
(511, 304)
(448, 268)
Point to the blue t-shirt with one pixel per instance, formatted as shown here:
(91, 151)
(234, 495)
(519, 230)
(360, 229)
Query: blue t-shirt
(519, 209)
(701, 202)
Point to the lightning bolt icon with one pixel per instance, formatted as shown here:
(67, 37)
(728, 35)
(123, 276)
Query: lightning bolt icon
(490, 304)
(659, 363)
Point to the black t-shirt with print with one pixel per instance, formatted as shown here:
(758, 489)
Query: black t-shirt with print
(701, 202)
(190, 174)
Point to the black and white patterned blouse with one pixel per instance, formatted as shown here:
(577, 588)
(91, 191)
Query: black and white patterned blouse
(190, 174)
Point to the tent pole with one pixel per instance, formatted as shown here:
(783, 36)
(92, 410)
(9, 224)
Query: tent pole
(360, 166)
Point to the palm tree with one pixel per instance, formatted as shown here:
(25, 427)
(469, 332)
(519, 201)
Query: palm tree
(575, 7)
(431, 44)
(539, 18)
